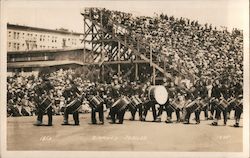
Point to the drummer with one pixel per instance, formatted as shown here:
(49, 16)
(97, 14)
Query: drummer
(169, 85)
(136, 91)
(126, 91)
(43, 91)
(191, 96)
(70, 93)
(238, 93)
(238, 111)
(217, 94)
(180, 101)
(149, 104)
(94, 91)
(115, 93)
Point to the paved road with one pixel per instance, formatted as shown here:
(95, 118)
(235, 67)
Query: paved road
(131, 136)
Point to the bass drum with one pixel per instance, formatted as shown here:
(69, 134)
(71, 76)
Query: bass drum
(159, 94)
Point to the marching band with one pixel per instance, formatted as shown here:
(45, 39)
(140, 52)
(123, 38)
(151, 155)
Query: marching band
(120, 96)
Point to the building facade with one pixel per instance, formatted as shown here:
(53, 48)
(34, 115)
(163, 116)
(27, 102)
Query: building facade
(25, 38)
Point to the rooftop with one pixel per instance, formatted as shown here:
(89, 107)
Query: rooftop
(30, 28)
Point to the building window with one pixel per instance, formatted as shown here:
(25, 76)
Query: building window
(9, 33)
(17, 46)
(9, 44)
(14, 46)
(14, 35)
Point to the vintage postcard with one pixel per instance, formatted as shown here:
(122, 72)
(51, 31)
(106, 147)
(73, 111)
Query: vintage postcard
(125, 78)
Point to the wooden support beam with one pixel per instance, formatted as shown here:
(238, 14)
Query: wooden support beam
(151, 60)
(154, 75)
(119, 65)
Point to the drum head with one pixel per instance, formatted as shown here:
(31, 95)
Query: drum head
(161, 94)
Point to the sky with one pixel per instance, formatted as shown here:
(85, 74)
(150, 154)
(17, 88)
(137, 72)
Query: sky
(66, 14)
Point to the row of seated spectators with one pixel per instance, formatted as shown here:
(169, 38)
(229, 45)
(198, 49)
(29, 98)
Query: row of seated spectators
(181, 42)
(21, 91)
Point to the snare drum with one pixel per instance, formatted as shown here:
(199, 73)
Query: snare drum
(95, 101)
(202, 104)
(74, 106)
(191, 107)
(135, 101)
(174, 105)
(159, 94)
(46, 103)
(223, 104)
(121, 103)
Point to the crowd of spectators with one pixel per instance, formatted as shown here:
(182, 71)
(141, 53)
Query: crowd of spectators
(21, 92)
(191, 48)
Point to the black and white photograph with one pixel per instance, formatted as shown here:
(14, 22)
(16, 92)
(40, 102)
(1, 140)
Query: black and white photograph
(125, 78)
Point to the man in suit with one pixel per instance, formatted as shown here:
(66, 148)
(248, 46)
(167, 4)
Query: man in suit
(115, 112)
(43, 92)
(170, 89)
(96, 91)
(70, 94)
(217, 94)
(149, 104)
(136, 91)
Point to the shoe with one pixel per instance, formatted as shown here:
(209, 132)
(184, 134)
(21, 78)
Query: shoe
(94, 123)
(37, 124)
(112, 122)
(169, 121)
(210, 118)
(65, 124)
(185, 122)
(120, 123)
(77, 124)
(157, 120)
(214, 124)
(206, 118)
(132, 119)
(198, 122)
(102, 123)
(236, 125)
(50, 124)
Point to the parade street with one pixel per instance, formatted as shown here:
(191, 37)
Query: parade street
(130, 136)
